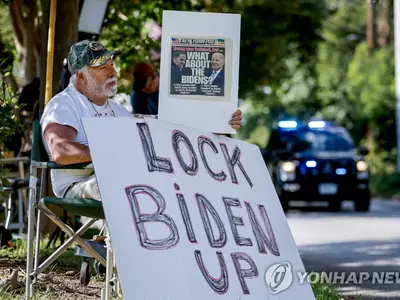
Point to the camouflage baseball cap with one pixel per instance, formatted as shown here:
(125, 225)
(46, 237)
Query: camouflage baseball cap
(88, 53)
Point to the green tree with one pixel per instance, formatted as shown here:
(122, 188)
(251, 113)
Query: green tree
(371, 91)
(342, 31)
(10, 121)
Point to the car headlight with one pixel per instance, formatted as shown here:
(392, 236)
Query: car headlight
(288, 166)
(362, 166)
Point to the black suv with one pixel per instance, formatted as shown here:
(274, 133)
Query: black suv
(317, 161)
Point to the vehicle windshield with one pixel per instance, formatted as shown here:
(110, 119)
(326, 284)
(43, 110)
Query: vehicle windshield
(328, 139)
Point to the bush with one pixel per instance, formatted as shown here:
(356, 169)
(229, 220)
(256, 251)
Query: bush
(384, 180)
(385, 185)
(10, 123)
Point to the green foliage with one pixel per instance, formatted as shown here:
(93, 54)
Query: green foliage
(375, 89)
(277, 69)
(326, 292)
(10, 123)
(342, 31)
(371, 91)
(254, 128)
(297, 94)
(385, 185)
(384, 179)
(6, 30)
(272, 31)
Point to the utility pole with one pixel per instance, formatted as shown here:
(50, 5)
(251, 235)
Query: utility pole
(397, 73)
(371, 42)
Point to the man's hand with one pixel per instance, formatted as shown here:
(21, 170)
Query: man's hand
(236, 120)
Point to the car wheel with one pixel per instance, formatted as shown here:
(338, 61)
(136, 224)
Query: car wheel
(335, 205)
(284, 201)
(363, 202)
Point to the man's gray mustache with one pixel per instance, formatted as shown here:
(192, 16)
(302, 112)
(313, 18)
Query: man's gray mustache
(114, 79)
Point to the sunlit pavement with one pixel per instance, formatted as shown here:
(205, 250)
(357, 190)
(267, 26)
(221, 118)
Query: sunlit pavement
(348, 241)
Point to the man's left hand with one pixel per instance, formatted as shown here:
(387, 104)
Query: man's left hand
(236, 119)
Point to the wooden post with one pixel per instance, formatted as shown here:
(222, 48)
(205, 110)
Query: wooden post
(50, 51)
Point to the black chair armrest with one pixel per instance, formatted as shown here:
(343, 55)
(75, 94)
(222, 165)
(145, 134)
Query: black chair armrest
(54, 165)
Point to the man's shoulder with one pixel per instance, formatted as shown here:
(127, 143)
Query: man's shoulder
(63, 103)
(67, 95)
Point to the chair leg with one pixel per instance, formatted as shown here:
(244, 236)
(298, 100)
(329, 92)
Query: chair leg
(20, 212)
(9, 210)
(61, 249)
(37, 246)
(39, 219)
(109, 267)
(116, 281)
(31, 223)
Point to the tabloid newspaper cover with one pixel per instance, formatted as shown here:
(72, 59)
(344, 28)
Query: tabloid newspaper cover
(200, 66)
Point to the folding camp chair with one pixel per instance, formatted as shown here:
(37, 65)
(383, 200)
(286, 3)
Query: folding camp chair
(15, 209)
(38, 204)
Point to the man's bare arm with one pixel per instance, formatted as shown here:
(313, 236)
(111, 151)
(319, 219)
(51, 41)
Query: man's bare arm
(63, 149)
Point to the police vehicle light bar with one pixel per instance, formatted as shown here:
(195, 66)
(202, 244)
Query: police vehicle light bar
(287, 124)
(316, 124)
(311, 163)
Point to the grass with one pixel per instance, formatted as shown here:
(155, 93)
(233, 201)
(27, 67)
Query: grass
(324, 291)
(66, 260)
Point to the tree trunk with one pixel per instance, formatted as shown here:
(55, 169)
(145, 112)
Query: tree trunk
(66, 34)
(371, 25)
(24, 16)
(384, 24)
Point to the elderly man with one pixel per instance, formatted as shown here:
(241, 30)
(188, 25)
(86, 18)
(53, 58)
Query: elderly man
(92, 84)
(217, 74)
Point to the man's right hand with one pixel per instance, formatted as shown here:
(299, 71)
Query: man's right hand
(63, 148)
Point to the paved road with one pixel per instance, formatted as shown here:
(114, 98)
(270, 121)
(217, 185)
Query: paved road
(352, 242)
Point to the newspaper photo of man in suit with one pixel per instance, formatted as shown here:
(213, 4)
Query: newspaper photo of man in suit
(217, 72)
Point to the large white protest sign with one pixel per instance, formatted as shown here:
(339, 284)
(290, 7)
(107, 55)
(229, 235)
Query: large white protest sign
(199, 71)
(192, 215)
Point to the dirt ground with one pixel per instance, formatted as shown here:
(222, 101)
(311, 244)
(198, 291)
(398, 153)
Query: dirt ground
(55, 283)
